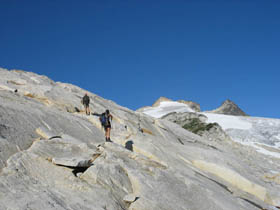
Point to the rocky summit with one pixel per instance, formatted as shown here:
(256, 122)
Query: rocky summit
(54, 156)
(228, 107)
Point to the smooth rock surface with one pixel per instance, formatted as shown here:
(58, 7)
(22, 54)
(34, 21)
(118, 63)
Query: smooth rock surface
(166, 167)
(130, 198)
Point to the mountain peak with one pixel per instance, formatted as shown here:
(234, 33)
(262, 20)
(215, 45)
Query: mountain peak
(191, 104)
(161, 99)
(228, 107)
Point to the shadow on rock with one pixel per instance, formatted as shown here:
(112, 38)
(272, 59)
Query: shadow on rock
(129, 145)
(78, 170)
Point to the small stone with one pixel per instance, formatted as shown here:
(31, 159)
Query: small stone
(130, 198)
(79, 174)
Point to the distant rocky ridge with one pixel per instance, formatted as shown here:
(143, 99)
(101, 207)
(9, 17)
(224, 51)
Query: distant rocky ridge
(191, 104)
(194, 106)
(228, 107)
(53, 157)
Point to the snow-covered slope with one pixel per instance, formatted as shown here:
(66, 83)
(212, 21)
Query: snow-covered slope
(228, 121)
(261, 133)
(166, 107)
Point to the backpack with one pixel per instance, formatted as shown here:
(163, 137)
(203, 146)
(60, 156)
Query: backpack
(104, 120)
(85, 100)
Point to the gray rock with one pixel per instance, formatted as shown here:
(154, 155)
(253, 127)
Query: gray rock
(196, 123)
(194, 106)
(184, 118)
(72, 162)
(167, 167)
(130, 198)
(229, 108)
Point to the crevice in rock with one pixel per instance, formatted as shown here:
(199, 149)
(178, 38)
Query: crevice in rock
(213, 147)
(207, 145)
(163, 128)
(216, 182)
(252, 203)
(131, 202)
(55, 137)
(79, 170)
(19, 150)
(81, 166)
(180, 141)
(76, 170)
(5, 130)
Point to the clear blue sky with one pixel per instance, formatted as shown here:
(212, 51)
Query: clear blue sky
(134, 51)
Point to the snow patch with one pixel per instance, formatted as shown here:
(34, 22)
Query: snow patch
(166, 107)
(260, 149)
(228, 121)
(247, 124)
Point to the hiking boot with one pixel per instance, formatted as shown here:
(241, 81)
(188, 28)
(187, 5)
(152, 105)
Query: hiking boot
(108, 140)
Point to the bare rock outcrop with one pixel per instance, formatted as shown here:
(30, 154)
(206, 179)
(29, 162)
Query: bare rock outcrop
(53, 159)
(196, 123)
(161, 99)
(229, 108)
(191, 104)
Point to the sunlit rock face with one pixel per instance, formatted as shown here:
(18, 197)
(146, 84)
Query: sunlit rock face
(196, 123)
(229, 108)
(53, 156)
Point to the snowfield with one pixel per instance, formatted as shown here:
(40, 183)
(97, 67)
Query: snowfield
(167, 107)
(228, 121)
(261, 133)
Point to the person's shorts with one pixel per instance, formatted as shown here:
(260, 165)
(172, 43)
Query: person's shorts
(86, 105)
(107, 126)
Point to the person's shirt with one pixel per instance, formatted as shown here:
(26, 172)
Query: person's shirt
(109, 117)
(86, 99)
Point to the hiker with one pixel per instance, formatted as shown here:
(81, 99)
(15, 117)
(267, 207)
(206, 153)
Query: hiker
(85, 102)
(105, 119)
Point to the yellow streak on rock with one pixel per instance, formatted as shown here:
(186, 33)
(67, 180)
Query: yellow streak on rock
(273, 177)
(41, 99)
(41, 133)
(16, 82)
(95, 121)
(3, 87)
(30, 95)
(149, 155)
(147, 131)
(234, 179)
(118, 119)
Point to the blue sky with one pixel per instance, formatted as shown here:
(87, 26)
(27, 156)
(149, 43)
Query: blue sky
(133, 51)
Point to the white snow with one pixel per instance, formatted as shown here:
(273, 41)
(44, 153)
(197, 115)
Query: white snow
(260, 149)
(228, 121)
(278, 137)
(277, 145)
(250, 124)
(167, 107)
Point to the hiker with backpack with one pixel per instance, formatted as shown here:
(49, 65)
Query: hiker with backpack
(85, 102)
(105, 120)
